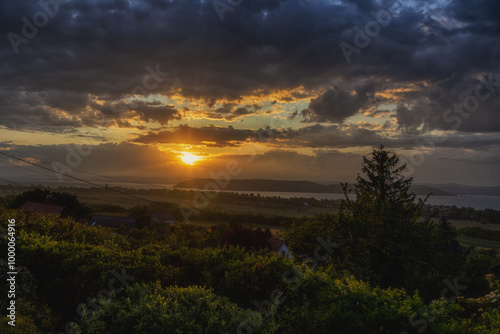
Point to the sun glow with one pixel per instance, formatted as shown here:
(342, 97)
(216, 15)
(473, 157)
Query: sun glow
(189, 158)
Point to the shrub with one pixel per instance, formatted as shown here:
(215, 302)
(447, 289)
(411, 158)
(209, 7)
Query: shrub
(149, 308)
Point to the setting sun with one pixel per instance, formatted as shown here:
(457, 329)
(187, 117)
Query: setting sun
(189, 158)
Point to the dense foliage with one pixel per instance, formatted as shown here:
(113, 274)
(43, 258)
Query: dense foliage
(149, 308)
(382, 238)
(63, 264)
(486, 216)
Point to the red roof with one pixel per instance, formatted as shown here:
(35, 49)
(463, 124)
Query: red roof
(276, 244)
(44, 209)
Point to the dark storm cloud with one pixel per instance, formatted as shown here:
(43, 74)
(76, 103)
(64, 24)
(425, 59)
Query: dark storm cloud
(102, 48)
(362, 4)
(336, 104)
(68, 101)
(410, 119)
(231, 111)
(209, 135)
(334, 136)
(58, 111)
(468, 104)
(332, 106)
(315, 136)
(25, 110)
(153, 111)
(48, 111)
(476, 12)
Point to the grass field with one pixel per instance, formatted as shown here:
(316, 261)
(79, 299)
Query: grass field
(95, 197)
(471, 223)
(479, 243)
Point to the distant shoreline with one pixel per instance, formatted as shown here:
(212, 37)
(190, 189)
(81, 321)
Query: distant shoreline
(478, 202)
(277, 186)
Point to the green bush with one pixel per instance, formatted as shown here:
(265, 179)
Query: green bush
(149, 308)
(480, 233)
(323, 305)
(184, 289)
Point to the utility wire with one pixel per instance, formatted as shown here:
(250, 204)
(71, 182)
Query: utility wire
(119, 179)
(21, 167)
(82, 180)
(110, 177)
(34, 171)
(10, 181)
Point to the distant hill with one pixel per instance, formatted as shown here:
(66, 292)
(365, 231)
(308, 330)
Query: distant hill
(426, 190)
(459, 189)
(292, 186)
(266, 185)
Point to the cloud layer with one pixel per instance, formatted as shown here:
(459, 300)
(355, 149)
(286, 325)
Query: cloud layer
(183, 72)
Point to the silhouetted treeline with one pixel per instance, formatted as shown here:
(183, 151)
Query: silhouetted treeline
(486, 216)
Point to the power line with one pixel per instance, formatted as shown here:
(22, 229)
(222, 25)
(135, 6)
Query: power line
(21, 167)
(109, 177)
(119, 179)
(10, 181)
(34, 171)
(82, 180)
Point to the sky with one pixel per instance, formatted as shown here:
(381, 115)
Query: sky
(277, 89)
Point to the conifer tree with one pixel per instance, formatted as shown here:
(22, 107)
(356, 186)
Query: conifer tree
(383, 239)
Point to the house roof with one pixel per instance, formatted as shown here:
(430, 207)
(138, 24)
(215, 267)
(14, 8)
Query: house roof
(276, 244)
(44, 209)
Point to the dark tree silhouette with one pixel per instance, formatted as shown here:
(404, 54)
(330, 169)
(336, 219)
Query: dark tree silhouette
(381, 235)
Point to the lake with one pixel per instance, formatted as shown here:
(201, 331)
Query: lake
(477, 202)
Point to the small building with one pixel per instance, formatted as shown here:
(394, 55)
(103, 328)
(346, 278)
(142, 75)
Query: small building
(49, 207)
(163, 217)
(280, 247)
(113, 221)
(45, 209)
